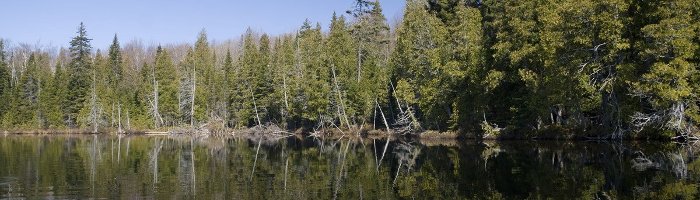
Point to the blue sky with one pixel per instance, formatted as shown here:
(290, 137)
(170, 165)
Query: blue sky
(53, 23)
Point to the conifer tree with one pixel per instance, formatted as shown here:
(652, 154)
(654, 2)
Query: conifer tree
(250, 73)
(5, 86)
(116, 63)
(283, 78)
(165, 76)
(370, 32)
(23, 105)
(666, 85)
(419, 63)
(116, 96)
(203, 66)
(312, 98)
(341, 60)
(52, 96)
(78, 75)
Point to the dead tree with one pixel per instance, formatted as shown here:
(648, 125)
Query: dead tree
(157, 118)
(194, 93)
(341, 106)
(95, 108)
(255, 106)
(186, 97)
(673, 118)
(119, 112)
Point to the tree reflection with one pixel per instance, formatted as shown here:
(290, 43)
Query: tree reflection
(235, 168)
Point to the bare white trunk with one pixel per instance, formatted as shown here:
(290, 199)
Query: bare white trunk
(128, 120)
(157, 118)
(359, 62)
(194, 93)
(393, 89)
(284, 85)
(255, 106)
(119, 113)
(388, 130)
(111, 116)
(340, 98)
(94, 108)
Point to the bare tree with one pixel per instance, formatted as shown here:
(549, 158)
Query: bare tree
(95, 109)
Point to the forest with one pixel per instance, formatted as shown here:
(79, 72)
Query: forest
(617, 69)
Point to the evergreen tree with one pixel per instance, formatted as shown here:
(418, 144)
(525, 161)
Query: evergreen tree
(5, 86)
(78, 75)
(419, 63)
(665, 86)
(467, 76)
(370, 32)
(312, 97)
(249, 73)
(203, 67)
(284, 79)
(165, 75)
(25, 98)
(116, 65)
(52, 98)
(342, 60)
(230, 78)
(116, 96)
(92, 113)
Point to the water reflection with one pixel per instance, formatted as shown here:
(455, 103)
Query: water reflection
(314, 168)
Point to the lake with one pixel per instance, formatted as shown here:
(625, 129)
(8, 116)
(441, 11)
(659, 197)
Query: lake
(167, 167)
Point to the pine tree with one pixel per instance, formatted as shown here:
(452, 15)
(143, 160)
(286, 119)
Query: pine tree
(230, 77)
(5, 86)
(25, 98)
(78, 76)
(262, 86)
(312, 98)
(250, 74)
(52, 97)
(465, 69)
(419, 63)
(165, 76)
(594, 54)
(284, 78)
(342, 60)
(203, 67)
(665, 86)
(370, 32)
(116, 64)
(115, 95)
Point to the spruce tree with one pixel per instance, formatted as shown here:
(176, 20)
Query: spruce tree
(284, 78)
(370, 32)
(203, 67)
(116, 63)
(53, 96)
(167, 81)
(312, 99)
(5, 86)
(341, 59)
(25, 98)
(78, 75)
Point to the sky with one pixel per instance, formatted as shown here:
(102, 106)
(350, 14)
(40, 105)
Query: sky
(54, 22)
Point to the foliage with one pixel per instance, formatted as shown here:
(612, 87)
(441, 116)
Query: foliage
(611, 69)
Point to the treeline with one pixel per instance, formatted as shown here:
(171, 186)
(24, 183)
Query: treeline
(608, 69)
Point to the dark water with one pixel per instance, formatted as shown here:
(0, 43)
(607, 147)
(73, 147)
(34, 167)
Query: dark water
(215, 168)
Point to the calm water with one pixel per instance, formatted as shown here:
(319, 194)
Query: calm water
(214, 168)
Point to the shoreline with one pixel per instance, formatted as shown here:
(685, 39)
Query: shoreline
(256, 132)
